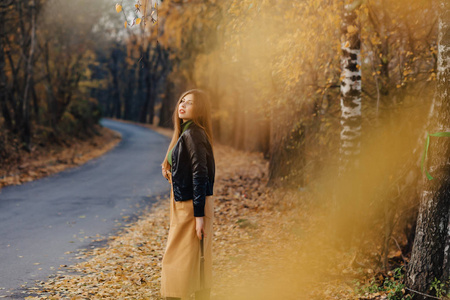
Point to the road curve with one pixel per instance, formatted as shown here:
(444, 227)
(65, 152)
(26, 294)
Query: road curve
(43, 222)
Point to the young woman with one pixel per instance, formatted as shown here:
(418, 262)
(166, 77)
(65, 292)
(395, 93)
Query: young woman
(190, 168)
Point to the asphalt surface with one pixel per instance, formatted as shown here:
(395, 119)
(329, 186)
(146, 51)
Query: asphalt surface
(45, 222)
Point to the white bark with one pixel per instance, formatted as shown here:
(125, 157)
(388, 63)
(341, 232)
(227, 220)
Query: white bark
(350, 91)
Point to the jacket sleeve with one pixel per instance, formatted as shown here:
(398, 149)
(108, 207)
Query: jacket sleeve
(196, 143)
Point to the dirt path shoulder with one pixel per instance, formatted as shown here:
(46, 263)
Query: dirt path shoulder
(44, 161)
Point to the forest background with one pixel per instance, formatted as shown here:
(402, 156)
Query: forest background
(274, 71)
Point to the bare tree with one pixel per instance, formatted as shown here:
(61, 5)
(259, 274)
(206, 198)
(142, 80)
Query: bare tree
(26, 121)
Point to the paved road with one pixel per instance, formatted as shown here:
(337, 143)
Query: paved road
(42, 220)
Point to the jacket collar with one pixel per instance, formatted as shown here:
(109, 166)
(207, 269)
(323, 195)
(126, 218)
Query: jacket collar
(186, 125)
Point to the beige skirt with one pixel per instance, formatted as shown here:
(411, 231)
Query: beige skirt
(180, 275)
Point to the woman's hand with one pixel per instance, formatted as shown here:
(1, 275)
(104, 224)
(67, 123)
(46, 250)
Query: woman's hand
(165, 172)
(199, 227)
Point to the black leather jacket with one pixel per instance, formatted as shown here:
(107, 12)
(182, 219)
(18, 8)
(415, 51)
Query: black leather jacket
(193, 168)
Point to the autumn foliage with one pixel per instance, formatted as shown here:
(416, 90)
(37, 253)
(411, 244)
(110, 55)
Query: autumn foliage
(273, 70)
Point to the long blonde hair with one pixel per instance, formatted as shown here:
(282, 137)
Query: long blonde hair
(201, 117)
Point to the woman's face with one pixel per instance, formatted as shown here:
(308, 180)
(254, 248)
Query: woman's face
(186, 107)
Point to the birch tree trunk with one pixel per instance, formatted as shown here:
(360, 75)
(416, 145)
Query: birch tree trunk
(350, 89)
(344, 201)
(430, 255)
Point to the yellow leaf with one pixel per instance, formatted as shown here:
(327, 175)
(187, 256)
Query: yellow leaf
(347, 44)
(138, 20)
(351, 29)
(125, 24)
(118, 7)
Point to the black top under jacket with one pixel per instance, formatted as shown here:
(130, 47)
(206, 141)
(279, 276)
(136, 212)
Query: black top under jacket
(193, 168)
